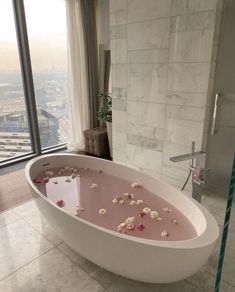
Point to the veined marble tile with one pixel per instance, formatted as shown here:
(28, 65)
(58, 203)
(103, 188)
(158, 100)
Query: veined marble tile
(145, 142)
(119, 121)
(119, 92)
(149, 35)
(146, 131)
(139, 10)
(117, 5)
(118, 51)
(201, 20)
(191, 46)
(19, 244)
(179, 7)
(119, 141)
(147, 89)
(119, 104)
(119, 156)
(145, 158)
(148, 70)
(118, 18)
(183, 132)
(175, 172)
(30, 213)
(179, 23)
(8, 217)
(185, 113)
(51, 272)
(201, 5)
(188, 77)
(119, 75)
(118, 31)
(148, 56)
(146, 114)
(102, 276)
(187, 99)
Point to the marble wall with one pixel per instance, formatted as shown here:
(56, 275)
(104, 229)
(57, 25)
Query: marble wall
(163, 55)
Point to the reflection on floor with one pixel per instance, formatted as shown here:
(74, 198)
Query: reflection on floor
(33, 258)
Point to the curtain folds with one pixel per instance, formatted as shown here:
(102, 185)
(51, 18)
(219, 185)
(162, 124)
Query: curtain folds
(88, 14)
(77, 77)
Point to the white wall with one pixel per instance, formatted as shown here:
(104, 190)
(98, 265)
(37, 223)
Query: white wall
(163, 56)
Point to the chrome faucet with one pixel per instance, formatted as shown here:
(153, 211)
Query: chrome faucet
(197, 174)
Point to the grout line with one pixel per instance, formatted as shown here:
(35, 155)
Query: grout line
(18, 269)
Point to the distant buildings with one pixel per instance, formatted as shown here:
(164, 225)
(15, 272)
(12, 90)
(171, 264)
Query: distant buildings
(14, 132)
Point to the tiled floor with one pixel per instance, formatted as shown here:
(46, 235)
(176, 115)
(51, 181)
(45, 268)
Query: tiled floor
(34, 259)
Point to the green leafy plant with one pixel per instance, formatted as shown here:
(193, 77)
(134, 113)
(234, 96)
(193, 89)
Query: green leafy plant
(105, 111)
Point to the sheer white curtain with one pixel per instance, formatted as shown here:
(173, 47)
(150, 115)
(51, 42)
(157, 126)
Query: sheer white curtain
(77, 78)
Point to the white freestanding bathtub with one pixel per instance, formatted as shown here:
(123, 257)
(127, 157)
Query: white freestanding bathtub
(132, 257)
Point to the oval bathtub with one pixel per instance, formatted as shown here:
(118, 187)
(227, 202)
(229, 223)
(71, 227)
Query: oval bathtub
(146, 260)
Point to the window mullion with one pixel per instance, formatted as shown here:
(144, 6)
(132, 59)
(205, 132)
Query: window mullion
(27, 75)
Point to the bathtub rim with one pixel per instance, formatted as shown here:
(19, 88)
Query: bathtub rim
(206, 238)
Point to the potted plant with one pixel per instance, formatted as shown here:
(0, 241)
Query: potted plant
(105, 115)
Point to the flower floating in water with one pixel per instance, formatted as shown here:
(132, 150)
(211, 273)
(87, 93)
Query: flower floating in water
(164, 233)
(140, 227)
(94, 186)
(49, 173)
(68, 179)
(136, 185)
(115, 201)
(60, 203)
(121, 228)
(121, 201)
(132, 203)
(166, 209)
(159, 219)
(126, 196)
(139, 202)
(102, 211)
(45, 180)
(61, 171)
(79, 210)
(75, 170)
(37, 181)
(174, 221)
(141, 214)
(130, 227)
(146, 210)
(130, 220)
(153, 214)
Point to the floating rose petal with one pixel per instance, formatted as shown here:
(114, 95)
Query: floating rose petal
(121, 229)
(139, 202)
(164, 233)
(146, 210)
(130, 220)
(130, 227)
(115, 201)
(140, 227)
(159, 219)
(153, 214)
(136, 185)
(102, 211)
(49, 173)
(121, 201)
(132, 203)
(166, 209)
(94, 186)
(45, 180)
(123, 225)
(60, 203)
(37, 181)
(126, 196)
(141, 214)
(174, 221)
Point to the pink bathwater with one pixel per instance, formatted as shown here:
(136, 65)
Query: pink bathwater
(93, 191)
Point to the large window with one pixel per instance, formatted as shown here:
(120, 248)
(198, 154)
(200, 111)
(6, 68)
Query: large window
(44, 33)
